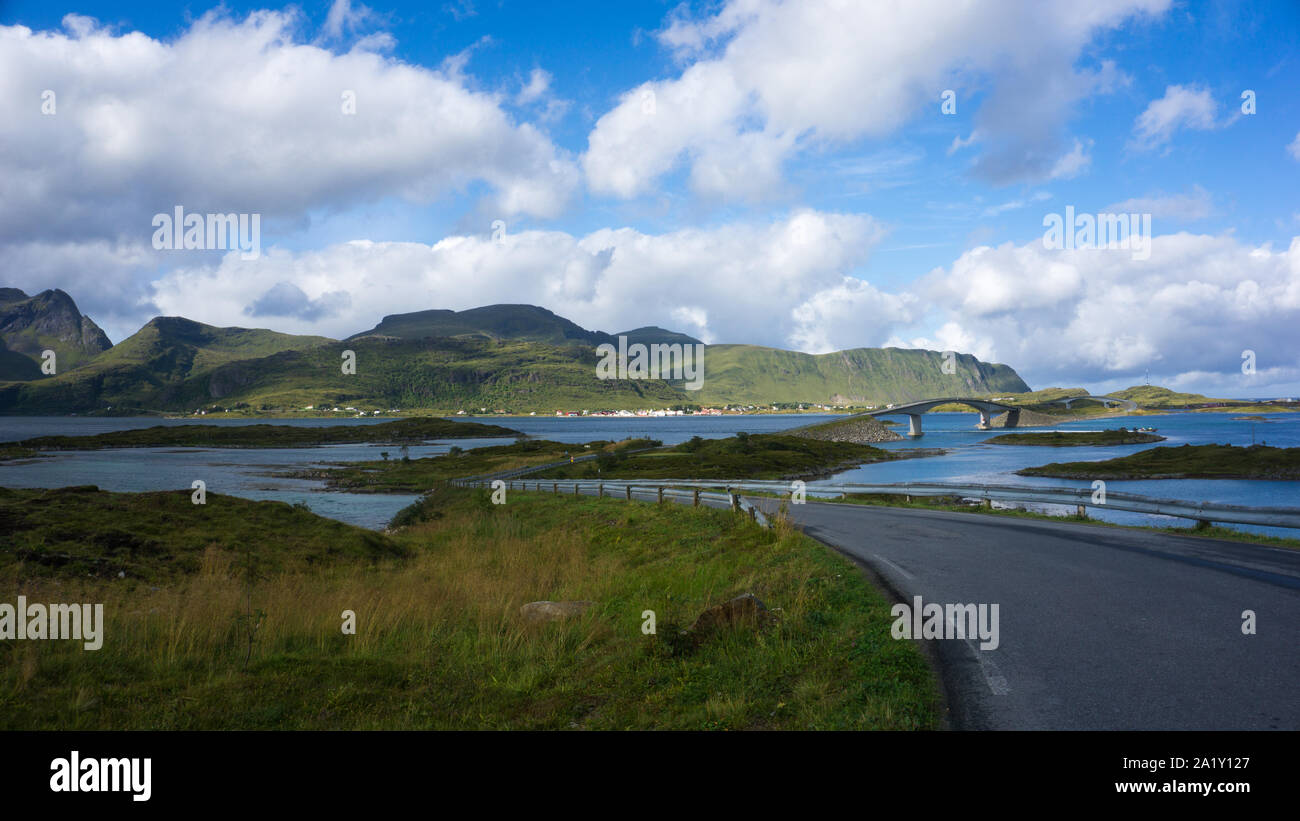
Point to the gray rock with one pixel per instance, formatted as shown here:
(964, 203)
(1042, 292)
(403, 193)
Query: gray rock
(543, 611)
(743, 611)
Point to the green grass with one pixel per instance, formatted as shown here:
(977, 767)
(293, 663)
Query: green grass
(80, 532)
(745, 456)
(1185, 462)
(417, 429)
(1076, 438)
(440, 643)
(9, 452)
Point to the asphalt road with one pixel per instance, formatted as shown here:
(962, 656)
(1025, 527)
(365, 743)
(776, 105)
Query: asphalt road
(1100, 628)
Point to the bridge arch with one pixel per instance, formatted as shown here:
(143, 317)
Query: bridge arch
(914, 410)
(1126, 404)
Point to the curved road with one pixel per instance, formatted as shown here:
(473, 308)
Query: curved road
(1100, 627)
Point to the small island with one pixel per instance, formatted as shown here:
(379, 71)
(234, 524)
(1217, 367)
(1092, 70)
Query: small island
(417, 429)
(1058, 439)
(743, 456)
(1185, 462)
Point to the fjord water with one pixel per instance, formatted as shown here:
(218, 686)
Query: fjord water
(249, 472)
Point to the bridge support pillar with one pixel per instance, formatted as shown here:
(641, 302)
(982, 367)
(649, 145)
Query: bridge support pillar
(915, 420)
(985, 418)
(1013, 418)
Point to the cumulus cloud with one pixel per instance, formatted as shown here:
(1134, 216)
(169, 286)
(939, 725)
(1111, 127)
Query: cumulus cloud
(1180, 107)
(286, 299)
(782, 283)
(236, 115)
(764, 79)
(1092, 315)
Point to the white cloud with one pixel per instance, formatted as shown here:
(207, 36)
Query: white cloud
(1294, 148)
(343, 17)
(1087, 316)
(1180, 107)
(782, 283)
(1072, 164)
(769, 78)
(539, 83)
(1195, 205)
(236, 116)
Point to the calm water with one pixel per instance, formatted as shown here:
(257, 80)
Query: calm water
(239, 472)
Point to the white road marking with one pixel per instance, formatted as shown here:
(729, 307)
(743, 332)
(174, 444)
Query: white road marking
(997, 682)
(897, 569)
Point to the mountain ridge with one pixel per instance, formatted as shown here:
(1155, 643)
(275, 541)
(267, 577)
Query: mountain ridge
(515, 357)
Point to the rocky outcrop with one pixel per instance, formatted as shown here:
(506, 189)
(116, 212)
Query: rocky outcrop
(743, 611)
(862, 430)
(1031, 419)
(49, 321)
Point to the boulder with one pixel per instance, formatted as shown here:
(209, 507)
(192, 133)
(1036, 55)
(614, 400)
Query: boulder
(743, 611)
(543, 611)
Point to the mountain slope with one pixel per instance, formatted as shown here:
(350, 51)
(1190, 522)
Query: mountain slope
(512, 357)
(651, 334)
(526, 323)
(48, 321)
(861, 376)
(149, 369)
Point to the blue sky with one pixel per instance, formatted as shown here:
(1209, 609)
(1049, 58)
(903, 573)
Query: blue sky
(795, 182)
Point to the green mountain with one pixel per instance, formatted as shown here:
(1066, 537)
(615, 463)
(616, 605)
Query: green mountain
(653, 334)
(860, 376)
(14, 366)
(526, 323)
(523, 323)
(502, 357)
(30, 325)
(154, 368)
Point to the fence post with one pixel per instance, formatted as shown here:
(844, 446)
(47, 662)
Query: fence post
(753, 514)
(628, 490)
(1081, 512)
(661, 494)
(575, 487)
(600, 490)
(735, 500)
(555, 488)
(697, 498)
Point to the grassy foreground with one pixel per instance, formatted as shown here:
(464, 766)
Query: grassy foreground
(440, 644)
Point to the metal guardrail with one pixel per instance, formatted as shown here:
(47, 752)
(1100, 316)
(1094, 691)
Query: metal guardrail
(1080, 498)
(629, 490)
(515, 473)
